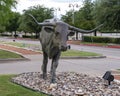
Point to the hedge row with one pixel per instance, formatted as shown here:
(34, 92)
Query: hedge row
(26, 36)
(5, 35)
(101, 39)
(110, 32)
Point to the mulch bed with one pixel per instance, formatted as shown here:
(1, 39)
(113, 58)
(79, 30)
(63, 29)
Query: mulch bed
(117, 77)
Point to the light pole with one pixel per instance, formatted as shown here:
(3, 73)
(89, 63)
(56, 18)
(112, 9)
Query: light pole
(73, 17)
(55, 11)
(73, 6)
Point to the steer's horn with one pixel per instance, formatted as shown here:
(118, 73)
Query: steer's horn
(42, 24)
(84, 31)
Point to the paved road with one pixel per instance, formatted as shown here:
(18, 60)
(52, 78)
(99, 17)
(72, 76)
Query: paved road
(109, 52)
(93, 67)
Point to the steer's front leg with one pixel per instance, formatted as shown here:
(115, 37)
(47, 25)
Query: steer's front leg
(44, 65)
(54, 65)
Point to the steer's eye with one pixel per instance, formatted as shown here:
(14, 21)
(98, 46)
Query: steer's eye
(57, 33)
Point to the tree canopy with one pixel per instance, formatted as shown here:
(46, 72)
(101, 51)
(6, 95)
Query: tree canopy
(94, 13)
(91, 14)
(41, 13)
(5, 12)
(83, 17)
(108, 12)
(13, 23)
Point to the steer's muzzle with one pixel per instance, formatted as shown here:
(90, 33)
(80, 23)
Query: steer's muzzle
(63, 48)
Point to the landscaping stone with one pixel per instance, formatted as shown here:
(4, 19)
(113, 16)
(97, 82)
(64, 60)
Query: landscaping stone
(68, 84)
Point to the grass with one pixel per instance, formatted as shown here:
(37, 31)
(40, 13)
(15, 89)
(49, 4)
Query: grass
(23, 45)
(8, 88)
(18, 44)
(78, 53)
(66, 53)
(6, 54)
(101, 44)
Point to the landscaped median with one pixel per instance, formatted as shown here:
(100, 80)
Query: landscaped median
(10, 56)
(75, 54)
(69, 54)
(106, 45)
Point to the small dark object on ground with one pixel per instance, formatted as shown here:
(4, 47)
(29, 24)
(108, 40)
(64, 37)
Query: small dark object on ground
(69, 47)
(107, 76)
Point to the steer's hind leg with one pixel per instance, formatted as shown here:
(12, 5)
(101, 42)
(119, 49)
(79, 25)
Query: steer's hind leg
(44, 65)
(53, 67)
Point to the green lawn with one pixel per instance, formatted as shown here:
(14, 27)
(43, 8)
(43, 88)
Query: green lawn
(23, 45)
(8, 88)
(66, 53)
(79, 53)
(6, 54)
(100, 44)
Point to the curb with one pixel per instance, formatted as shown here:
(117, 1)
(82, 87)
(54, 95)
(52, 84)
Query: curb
(107, 46)
(14, 59)
(117, 46)
(84, 57)
(19, 48)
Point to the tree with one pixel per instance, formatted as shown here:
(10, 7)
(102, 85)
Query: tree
(84, 18)
(108, 12)
(13, 23)
(67, 17)
(5, 12)
(40, 13)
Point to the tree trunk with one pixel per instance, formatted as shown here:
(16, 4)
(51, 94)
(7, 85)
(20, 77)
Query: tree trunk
(95, 33)
(76, 35)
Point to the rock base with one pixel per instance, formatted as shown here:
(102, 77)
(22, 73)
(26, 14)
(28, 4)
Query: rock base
(68, 84)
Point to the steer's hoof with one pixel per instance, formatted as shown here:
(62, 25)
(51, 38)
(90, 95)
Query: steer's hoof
(53, 86)
(44, 77)
(53, 81)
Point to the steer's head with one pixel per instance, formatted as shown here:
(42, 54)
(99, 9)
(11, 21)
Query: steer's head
(59, 32)
(61, 35)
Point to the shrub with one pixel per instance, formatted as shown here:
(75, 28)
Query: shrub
(6, 35)
(101, 39)
(26, 36)
(117, 40)
(110, 32)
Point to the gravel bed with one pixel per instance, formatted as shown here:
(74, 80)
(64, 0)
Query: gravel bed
(68, 84)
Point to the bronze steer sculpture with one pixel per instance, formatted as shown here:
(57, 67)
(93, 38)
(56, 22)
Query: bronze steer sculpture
(53, 38)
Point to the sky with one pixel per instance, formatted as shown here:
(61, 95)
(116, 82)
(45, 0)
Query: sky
(56, 4)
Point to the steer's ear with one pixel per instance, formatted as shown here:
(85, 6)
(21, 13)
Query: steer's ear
(49, 29)
(71, 33)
